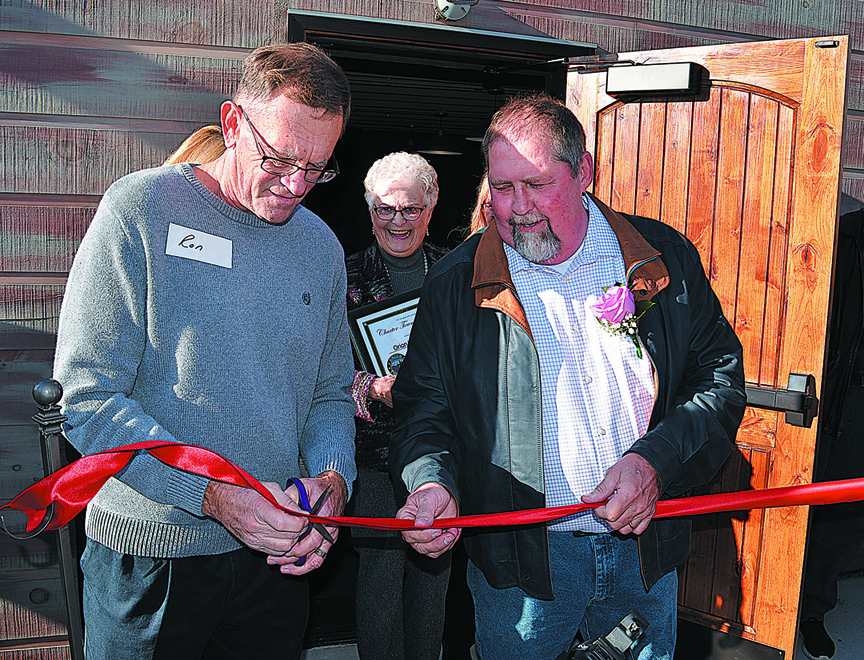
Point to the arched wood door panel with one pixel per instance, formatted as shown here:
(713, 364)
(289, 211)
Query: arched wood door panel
(750, 172)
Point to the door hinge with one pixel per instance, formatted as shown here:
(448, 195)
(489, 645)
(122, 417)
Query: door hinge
(798, 400)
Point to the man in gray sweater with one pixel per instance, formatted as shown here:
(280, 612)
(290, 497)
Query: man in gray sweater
(206, 306)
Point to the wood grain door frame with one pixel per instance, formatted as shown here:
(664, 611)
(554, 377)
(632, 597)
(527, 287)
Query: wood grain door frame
(750, 172)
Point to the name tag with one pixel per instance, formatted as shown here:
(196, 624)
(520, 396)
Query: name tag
(198, 245)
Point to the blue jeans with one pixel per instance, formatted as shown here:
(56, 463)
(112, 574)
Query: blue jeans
(227, 606)
(597, 582)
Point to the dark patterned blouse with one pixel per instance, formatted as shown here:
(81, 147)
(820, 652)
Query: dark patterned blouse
(369, 282)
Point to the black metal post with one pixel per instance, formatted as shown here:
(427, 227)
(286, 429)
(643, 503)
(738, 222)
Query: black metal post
(47, 394)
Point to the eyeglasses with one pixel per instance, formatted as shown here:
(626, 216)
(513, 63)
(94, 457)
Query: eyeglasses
(279, 167)
(409, 213)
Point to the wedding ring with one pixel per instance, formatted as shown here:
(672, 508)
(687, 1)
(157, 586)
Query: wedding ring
(321, 553)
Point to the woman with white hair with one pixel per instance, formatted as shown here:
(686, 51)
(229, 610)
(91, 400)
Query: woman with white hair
(400, 593)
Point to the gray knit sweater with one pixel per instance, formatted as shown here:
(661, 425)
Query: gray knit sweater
(252, 360)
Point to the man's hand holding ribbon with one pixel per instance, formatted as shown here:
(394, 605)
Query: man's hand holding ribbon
(264, 527)
(426, 504)
(632, 489)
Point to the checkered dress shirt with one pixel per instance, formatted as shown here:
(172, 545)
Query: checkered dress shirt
(597, 395)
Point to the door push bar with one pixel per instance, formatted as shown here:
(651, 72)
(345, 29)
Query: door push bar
(798, 400)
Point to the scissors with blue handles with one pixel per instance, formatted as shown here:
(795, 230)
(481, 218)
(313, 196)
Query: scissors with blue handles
(313, 509)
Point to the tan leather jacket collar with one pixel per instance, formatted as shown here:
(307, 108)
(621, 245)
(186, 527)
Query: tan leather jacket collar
(492, 284)
(646, 272)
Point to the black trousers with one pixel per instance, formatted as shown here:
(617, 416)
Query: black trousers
(400, 593)
(836, 530)
(232, 605)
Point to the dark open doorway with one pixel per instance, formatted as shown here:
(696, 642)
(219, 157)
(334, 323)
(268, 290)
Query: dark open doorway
(401, 75)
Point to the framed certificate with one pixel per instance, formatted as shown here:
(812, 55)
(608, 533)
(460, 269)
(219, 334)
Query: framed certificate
(379, 332)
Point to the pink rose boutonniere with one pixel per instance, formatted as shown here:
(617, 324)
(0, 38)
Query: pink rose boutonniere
(616, 310)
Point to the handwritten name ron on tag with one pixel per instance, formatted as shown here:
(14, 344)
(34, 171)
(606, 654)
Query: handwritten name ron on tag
(198, 246)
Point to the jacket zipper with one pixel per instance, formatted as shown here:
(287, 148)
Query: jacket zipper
(630, 272)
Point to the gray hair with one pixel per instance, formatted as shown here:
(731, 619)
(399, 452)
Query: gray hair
(302, 71)
(402, 165)
(539, 114)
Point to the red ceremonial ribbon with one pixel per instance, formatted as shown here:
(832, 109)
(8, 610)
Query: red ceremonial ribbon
(72, 487)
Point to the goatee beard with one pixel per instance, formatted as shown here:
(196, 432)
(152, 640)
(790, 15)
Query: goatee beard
(536, 246)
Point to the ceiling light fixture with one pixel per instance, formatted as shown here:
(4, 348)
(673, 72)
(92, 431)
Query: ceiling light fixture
(478, 130)
(441, 144)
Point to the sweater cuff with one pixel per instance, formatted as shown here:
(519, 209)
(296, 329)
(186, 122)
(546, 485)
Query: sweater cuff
(186, 491)
(360, 393)
(342, 465)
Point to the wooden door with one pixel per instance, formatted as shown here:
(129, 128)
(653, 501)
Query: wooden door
(749, 170)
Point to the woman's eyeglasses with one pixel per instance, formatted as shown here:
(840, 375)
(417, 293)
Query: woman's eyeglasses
(409, 213)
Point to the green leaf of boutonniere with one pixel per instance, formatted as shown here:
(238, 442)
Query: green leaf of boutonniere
(643, 306)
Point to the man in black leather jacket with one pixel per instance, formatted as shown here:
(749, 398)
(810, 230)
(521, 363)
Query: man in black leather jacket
(473, 428)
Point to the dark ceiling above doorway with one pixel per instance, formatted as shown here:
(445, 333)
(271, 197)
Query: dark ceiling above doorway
(402, 74)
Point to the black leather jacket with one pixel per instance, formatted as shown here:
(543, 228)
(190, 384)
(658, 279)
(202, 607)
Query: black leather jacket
(467, 399)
